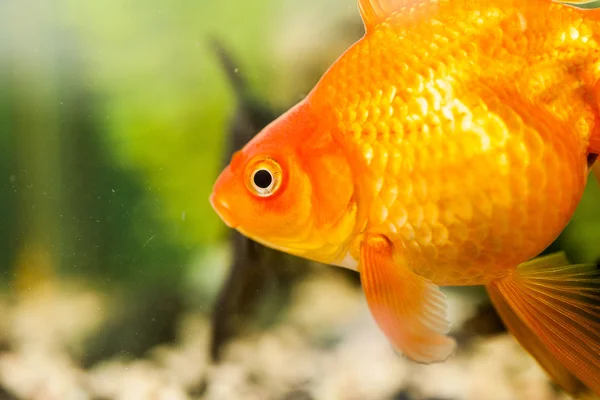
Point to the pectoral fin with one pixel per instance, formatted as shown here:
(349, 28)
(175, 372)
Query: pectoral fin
(409, 309)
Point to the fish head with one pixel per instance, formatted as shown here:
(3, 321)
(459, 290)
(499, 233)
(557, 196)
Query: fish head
(288, 191)
(265, 195)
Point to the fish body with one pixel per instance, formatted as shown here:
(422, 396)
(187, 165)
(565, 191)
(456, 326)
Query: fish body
(448, 146)
(470, 152)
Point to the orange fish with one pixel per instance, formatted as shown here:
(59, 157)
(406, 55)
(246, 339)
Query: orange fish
(448, 146)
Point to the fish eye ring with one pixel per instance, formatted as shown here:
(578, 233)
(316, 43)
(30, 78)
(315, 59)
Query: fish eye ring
(264, 178)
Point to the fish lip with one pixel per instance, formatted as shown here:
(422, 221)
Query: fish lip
(223, 210)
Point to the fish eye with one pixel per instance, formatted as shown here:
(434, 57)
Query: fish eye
(264, 177)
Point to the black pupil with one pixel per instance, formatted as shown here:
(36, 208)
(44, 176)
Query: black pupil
(263, 178)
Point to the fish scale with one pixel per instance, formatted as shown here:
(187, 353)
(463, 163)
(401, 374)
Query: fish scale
(412, 121)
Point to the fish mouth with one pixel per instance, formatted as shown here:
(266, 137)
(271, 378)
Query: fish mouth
(223, 209)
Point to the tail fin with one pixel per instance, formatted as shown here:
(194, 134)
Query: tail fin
(553, 309)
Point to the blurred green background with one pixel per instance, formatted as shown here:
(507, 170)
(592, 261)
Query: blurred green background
(114, 119)
(113, 122)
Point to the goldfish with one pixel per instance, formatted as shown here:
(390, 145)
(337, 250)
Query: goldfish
(449, 146)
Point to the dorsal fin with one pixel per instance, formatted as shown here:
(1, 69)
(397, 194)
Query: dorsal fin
(374, 12)
(587, 4)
